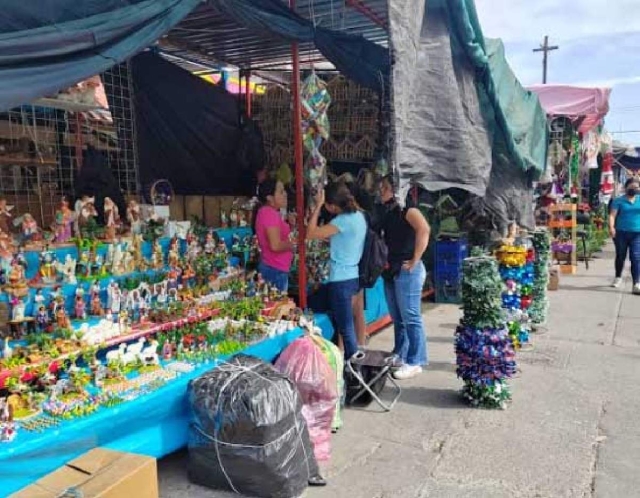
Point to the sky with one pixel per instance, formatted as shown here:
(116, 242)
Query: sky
(598, 41)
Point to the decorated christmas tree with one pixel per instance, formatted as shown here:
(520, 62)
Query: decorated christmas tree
(484, 352)
(540, 305)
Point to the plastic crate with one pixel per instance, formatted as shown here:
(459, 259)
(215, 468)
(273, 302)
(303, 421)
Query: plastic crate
(448, 292)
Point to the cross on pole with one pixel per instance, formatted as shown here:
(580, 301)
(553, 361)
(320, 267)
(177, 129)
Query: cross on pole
(545, 49)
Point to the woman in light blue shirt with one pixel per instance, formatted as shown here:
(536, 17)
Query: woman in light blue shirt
(624, 227)
(346, 234)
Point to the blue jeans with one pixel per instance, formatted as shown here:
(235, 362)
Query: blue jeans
(340, 295)
(628, 242)
(274, 276)
(404, 298)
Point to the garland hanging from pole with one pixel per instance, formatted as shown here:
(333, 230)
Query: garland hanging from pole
(484, 352)
(315, 129)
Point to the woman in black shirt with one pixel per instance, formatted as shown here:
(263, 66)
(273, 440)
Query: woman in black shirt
(406, 233)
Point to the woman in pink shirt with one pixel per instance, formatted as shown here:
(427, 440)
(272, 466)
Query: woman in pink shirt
(273, 235)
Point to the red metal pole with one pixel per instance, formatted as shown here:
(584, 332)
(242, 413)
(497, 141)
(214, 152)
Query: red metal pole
(297, 147)
(248, 93)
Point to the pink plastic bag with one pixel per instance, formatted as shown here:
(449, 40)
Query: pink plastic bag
(304, 363)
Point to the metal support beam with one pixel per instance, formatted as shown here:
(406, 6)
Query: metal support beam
(368, 12)
(299, 173)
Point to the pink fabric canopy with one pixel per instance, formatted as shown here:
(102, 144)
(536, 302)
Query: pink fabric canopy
(575, 102)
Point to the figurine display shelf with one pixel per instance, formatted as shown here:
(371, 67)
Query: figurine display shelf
(40, 397)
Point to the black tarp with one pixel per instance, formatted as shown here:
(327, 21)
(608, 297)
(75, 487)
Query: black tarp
(190, 133)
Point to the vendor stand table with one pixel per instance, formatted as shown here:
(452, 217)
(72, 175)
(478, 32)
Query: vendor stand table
(155, 424)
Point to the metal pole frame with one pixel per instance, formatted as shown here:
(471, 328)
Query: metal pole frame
(299, 173)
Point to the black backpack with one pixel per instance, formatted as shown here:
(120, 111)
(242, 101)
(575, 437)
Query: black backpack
(374, 258)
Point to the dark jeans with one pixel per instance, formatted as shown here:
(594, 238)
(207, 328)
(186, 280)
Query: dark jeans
(628, 242)
(274, 276)
(340, 294)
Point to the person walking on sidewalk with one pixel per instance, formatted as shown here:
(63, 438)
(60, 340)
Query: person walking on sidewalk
(406, 233)
(346, 234)
(624, 227)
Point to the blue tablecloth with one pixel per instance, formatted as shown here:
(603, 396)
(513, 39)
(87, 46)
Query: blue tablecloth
(154, 425)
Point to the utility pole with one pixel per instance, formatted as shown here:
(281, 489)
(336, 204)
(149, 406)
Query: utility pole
(545, 49)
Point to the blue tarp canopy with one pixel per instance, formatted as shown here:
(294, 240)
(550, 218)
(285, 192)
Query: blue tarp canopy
(49, 45)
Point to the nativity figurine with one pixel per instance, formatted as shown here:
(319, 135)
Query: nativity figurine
(111, 218)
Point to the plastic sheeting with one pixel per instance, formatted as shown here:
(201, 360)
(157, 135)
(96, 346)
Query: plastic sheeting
(462, 119)
(189, 132)
(590, 105)
(305, 364)
(248, 433)
(155, 424)
(48, 46)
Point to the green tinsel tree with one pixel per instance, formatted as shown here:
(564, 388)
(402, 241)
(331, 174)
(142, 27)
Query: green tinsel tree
(540, 306)
(484, 353)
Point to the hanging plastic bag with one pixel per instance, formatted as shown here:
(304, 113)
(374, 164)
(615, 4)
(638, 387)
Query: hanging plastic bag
(304, 363)
(335, 358)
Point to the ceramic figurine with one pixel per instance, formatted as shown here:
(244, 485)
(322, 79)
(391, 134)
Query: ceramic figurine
(224, 220)
(79, 308)
(18, 310)
(64, 220)
(7, 351)
(38, 299)
(157, 256)
(29, 229)
(162, 297)
(111, 218)
(233, 218)
(42, 318)
(7, 425)
(117, 257)
(68, 270)
(115, 298)
(134, 218)
(209, 244)
(242, 219)
(62, 320)
(128, 261)
(193, 250)
(83, 268)
(96, 305)
(17, 283)
(5, 216)
(48, 267)
(174, 254)
(87, 215)
(77, 207)
(95, 288)
(167, 351)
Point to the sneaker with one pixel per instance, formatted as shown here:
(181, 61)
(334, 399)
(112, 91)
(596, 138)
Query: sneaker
(394, 361)
(407, 372)
(617, 282)
(636, 289)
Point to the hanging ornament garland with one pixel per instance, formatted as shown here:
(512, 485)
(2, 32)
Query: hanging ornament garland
(315, 101)
(484, 353)
(540, 306)
(516, 270)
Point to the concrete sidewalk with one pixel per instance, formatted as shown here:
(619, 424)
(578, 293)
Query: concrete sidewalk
(571, 430)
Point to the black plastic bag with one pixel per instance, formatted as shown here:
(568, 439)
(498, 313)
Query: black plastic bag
(247, 432)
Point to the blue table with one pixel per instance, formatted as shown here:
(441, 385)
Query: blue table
(153, 425)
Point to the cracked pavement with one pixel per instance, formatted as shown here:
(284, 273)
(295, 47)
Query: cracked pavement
(570, 431)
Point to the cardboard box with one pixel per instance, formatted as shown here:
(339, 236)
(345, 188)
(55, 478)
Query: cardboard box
(554, 280)
(100, 473)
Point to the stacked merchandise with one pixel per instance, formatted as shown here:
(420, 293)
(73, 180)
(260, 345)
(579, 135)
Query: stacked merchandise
(484, 352)
(540, 305)
(450, 254)
(516, 270)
